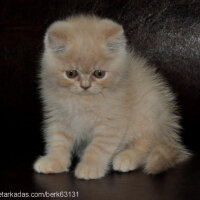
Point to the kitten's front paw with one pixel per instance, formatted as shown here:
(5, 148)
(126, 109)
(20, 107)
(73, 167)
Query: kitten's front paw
(48, 165)
(89, 171)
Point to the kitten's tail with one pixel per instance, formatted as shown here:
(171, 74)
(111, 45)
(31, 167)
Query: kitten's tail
(164, 156)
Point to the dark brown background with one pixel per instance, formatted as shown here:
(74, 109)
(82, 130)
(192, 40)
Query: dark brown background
(167, 32)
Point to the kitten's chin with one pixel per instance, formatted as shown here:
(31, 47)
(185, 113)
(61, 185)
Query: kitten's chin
(86, 92)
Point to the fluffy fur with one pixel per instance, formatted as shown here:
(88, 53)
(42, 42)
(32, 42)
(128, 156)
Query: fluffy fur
(128, 118)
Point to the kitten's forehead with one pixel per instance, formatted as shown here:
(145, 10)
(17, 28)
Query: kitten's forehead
(84, 62)
(86, 54)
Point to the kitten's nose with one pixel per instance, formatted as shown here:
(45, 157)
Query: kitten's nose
(85, 87)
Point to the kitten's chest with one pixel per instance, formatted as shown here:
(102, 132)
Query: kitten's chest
(82, 117)
(81, 123)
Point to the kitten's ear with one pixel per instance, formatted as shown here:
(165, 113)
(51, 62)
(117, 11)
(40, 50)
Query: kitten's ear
(56, 37)
(114, 36)
(54, 43)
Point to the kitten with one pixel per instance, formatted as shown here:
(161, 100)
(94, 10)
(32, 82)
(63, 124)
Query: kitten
(95, 90)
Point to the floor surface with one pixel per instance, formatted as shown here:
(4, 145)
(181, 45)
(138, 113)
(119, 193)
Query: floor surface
(180, 183)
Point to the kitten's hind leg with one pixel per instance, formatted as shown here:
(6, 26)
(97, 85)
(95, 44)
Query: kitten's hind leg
(164, 156)
(131, 158)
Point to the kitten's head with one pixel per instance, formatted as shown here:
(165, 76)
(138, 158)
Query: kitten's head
(85, 54)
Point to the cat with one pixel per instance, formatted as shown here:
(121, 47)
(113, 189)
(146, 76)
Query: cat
(94, 89)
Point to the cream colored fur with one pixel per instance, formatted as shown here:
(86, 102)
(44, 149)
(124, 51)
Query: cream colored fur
(129, 118)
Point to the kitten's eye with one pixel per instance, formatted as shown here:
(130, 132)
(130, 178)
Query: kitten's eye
(99, 74)
(71, 74)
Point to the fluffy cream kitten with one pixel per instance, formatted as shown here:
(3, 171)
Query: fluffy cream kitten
(94, 89)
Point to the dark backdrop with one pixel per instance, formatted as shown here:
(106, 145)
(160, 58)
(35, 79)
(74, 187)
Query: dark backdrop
(164, 31)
